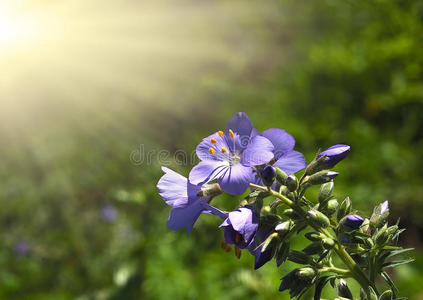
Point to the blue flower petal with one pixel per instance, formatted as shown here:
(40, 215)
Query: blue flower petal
(258, 152)
(291, 162)
(283, 141)
(236, 179)
(206, 171)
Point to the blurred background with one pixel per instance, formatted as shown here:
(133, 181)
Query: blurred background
(92, 93)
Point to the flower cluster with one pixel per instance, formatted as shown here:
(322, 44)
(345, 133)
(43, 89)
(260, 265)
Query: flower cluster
(242, 158)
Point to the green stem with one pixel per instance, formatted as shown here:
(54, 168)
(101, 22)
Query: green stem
(356, 272)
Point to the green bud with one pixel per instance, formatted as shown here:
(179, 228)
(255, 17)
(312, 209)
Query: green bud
(330, 207)
(281, 176)
(314, 236)
(313, 248)
(343, 290)
(265, 210)
(381, 236)
(380, 215)
(325, 191)
(392, 230)
(365, 227)
(283, 190)
(272, 242)
(291, 183)
(386, 295)
(318, 218)
(290, 213)
(299, 257)
(306, 273)
(328, 243)
(344, 209)
(316, 166)
(284, 228)
(321, 177)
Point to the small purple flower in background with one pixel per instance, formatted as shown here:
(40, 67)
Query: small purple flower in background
(182, 196)
(240, 226)
(21, 248)
(353, 221)
(335, 154)
(230, 156)
(109, 213)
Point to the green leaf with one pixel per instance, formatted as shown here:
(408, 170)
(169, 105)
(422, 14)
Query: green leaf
(396, 263)
(320, 284)
(391, 284)
(399, 251)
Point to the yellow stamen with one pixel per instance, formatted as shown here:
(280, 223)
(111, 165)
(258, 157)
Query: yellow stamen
(212, 151)
(220, 133)
(213, 141)
(223, 150)
(231, 133)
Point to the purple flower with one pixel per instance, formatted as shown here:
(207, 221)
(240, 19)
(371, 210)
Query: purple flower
(335, 154)
(230, 156)
(109, 212)
(384, 207)
(182, 196)
(240, 226)
(287, 159)
(353, 221)
(22, 247)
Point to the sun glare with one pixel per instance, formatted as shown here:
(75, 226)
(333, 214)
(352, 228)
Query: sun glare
(16, 30)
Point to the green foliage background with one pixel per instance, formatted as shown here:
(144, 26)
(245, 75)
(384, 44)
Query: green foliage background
(351, 72)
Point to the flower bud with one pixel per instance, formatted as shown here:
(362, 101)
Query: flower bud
(268, 175)
(283, 228)
(290, 213)
(322, 177)
(313, 248)
(344, 209)
(325, 191)
(291, 183)
(328, 243)
(318, 218)
(314, 236)
(352, 221)
(281, 176)
(271, 242)
(299, 257)
(330, 207)
(380, 214)
(306, 273)
(343, 290)
(381, 236)
(316, 165)
(365, 227)
(265, 210)
(334, 154)
(386, 295)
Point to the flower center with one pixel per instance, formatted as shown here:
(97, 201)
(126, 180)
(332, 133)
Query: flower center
(234, 159)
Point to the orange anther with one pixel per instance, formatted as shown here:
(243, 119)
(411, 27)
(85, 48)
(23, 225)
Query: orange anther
(220, 133)
(213, 141)
(231, 133)
(212, 151)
